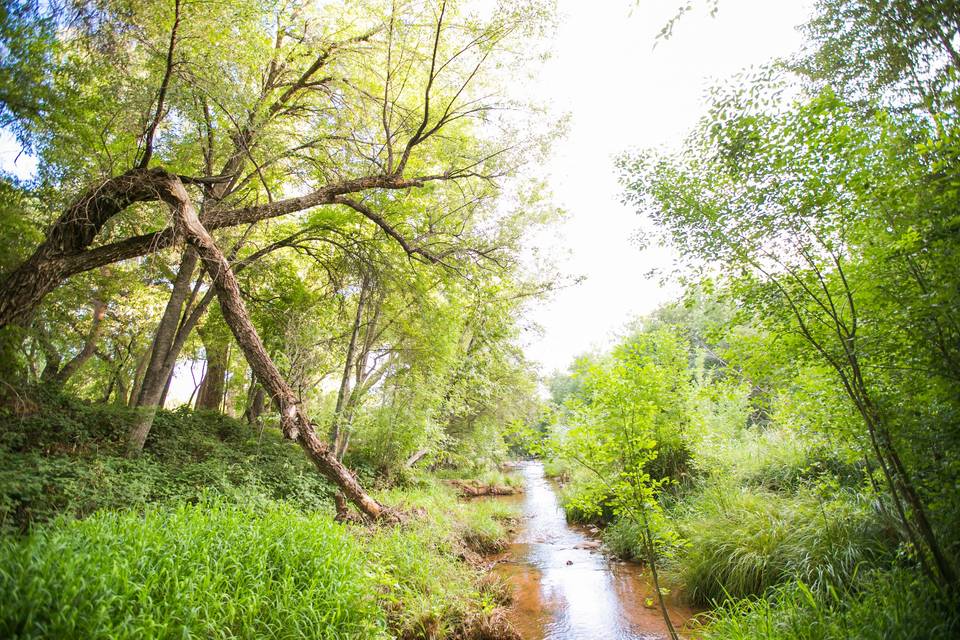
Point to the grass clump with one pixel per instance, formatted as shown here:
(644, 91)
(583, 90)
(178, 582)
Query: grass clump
(428, 586)
(743, 541)
(499, 478)
(557, 469)
(881, 605)
(211, 570)
(624, 538)
(486, 525)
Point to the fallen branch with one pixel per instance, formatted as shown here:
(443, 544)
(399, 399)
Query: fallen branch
(476, 490)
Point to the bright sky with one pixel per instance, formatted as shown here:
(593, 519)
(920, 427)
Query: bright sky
(622, 93)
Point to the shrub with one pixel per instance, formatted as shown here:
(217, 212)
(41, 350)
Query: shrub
(586, 501)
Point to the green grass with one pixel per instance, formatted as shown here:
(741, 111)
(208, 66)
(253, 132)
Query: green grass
(743, 541)
(430, 591)
(68, 459)
(557, 469)
(217, 532)
(498, 478)
(262, 570)
(211, 570)
(624, 538)
(490, 477)
(881, 606)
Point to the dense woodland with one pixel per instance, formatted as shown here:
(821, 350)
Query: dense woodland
(261, 310)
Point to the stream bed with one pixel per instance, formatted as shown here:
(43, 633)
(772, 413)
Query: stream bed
(564, 587)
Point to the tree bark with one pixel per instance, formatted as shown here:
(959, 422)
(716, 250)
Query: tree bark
(66, 251)
(212, 386)
(255, 406)
(163, 357)
(294, 422)
(138, 373)
(335, 435)
(74, 231)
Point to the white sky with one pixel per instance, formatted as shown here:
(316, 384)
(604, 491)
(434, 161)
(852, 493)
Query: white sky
(622, 93)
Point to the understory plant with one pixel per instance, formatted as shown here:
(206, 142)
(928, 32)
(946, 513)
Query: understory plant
(626, 402)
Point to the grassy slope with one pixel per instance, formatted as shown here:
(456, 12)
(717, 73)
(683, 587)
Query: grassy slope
(217, 531)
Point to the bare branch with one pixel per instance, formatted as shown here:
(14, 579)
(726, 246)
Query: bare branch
(152, 129)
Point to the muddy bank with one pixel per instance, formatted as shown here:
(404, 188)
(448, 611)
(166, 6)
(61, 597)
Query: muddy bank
(564, 587)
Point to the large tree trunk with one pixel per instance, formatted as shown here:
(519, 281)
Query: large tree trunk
(294, 422)
(163, 355)
(74, 231)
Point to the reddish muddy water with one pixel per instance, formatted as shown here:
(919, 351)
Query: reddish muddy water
(567, 589)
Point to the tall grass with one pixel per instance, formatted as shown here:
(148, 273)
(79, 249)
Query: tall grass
(262, 570)
(889, 605)
(743, 541)
(212, 570)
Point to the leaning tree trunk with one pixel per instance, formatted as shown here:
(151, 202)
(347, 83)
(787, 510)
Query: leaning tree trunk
(294, 422)
(162, 355)
(23, 289)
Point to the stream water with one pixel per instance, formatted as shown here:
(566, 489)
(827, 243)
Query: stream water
(567, 589)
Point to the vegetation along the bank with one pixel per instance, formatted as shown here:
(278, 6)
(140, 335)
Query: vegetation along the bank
(783, 442)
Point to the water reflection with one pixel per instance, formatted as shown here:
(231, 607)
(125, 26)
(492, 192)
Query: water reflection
(565, 589)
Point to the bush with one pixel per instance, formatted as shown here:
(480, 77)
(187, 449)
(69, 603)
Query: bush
(586, 501)
(68, 458)
(212, 570)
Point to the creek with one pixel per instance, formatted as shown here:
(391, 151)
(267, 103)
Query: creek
(564, 587)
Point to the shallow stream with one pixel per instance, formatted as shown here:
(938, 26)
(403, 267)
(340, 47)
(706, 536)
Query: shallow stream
(564, 587)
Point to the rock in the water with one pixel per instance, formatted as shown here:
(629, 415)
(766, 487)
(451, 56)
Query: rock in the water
(589, 544)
